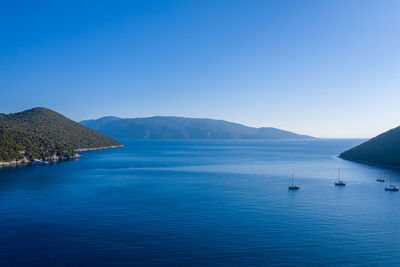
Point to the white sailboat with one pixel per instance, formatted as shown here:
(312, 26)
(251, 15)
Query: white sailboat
(391, 187)
(340, 182)
(381, 179)
(293, 186)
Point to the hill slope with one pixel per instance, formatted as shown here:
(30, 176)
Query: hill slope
(15, 146)
(183, 128)
(41, 133)
(383, 149)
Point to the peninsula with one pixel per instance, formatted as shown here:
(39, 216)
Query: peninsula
(43, 134)
(383, 149)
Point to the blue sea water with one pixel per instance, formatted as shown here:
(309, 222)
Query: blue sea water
(190, 203)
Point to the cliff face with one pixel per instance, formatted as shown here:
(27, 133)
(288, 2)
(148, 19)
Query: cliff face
(383, 149)
(42, 134)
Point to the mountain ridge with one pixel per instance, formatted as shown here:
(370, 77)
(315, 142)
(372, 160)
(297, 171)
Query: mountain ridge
(174, 127)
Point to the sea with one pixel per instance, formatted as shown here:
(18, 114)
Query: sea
(201, 203)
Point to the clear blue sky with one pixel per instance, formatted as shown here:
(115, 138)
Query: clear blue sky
(324, 68)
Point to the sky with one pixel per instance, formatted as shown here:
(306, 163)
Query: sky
(323, 68)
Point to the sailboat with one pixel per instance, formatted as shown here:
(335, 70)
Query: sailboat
(340, 182)
(293, 186)
(391, 187)
(381, 179)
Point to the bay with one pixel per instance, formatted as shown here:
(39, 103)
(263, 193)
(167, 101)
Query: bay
(191, 203)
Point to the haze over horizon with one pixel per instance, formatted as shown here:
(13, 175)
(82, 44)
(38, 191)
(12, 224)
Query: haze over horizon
(320, 68)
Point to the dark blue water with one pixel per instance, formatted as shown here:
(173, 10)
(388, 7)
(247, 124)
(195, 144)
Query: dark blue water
(194, 203)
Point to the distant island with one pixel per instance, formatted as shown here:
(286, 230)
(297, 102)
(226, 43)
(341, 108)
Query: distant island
(383, 149)
(43, 134)
(166, 127)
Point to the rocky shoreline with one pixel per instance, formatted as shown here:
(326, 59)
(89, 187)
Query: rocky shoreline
(53, 159)
(96, 148)
(14, 163)
(25, 161)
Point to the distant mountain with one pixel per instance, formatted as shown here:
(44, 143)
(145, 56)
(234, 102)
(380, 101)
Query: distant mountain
(383, 149)
(163, 127)
(44, 134)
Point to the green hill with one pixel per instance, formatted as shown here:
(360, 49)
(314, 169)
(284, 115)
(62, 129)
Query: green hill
(383, 149)
(164, 127)
(17, 146)
(41, 133)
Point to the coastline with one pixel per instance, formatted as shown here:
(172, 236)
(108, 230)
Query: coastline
(14, 163)
(53, 159)
(370, 163)
(97, 148)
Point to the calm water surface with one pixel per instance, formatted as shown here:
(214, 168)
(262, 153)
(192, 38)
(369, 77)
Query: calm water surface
(194, 203)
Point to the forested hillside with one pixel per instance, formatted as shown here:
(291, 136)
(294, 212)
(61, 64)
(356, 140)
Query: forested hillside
(383, 149)
(41, 133)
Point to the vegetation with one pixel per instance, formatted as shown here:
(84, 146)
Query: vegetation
(16, 145)
(183, 128)
(383, 149)
(41, 133)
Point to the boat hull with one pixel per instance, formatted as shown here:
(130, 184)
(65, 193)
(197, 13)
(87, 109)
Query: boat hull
(395, 188)
(294, 187)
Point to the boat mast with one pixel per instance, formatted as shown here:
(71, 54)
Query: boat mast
(339, 174)
(292, 179)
